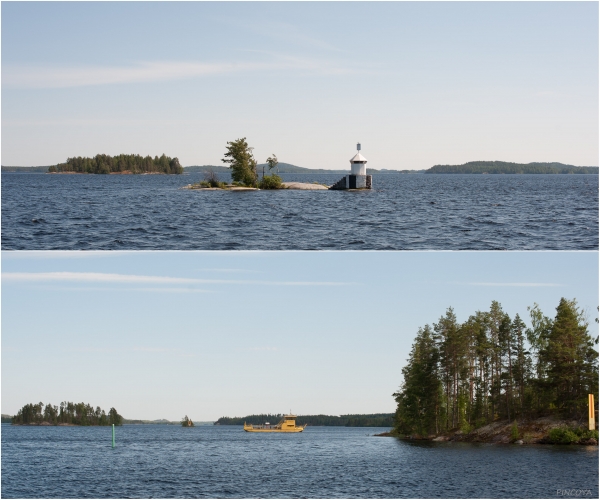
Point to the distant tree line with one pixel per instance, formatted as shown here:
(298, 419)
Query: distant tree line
(465, 375)
(286, 168)
(66, 413)
(371, 420)
(105, 164)
(503, 167)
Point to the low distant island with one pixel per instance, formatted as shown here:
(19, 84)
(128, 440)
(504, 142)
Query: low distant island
(504, 167)
(367, 420)
(121, 164)
(288, 168)
(65, 414)
(136, 164)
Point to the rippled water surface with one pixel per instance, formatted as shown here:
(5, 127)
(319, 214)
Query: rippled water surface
(410, 212)
(322, 462)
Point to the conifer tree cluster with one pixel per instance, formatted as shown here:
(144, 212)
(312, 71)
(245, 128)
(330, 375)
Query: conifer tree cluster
(105, 164)
(465, 375)
(67, 413)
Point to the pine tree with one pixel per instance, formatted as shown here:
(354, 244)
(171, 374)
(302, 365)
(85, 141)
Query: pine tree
(522, 365)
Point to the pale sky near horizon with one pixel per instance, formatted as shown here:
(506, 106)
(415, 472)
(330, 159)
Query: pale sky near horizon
(417, 83)
(208, 334)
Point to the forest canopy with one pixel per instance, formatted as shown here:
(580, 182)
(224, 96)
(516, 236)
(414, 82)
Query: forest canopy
(494, 367)
(66, 413)
(105, 164)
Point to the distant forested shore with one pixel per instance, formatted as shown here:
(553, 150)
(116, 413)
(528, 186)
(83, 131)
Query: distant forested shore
(65, 414)
(288, 168)
(121, 164)
(503, 167)
(136, 164)
(368, 420)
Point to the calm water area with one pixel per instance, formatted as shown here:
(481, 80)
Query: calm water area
(402, 212)
(322, 462)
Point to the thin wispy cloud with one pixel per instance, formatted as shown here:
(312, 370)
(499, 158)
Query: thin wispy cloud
(78, 76)
(155, 349)
(43, 76)
(62, 254)
(285, 32)
(512, 284)
(226, 270)
(80, 277)
(122, 350)
(94, 278)
(84, 288)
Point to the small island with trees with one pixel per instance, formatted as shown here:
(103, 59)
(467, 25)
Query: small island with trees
(65, 414)
(245, 175)
(121, 164)
(492, 379)
(186, 422)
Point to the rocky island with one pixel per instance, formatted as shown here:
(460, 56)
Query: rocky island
(245, 177)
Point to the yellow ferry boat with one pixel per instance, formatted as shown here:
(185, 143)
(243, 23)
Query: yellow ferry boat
(287, 424)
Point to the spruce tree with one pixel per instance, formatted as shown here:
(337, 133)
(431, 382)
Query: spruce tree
(571, 363)
(241, 161)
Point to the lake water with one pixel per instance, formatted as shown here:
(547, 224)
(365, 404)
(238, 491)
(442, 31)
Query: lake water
(403, 212)
(322, 462)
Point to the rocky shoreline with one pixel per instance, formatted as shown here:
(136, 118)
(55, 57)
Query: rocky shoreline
(124, 172)
(536, 431)
(304, 186)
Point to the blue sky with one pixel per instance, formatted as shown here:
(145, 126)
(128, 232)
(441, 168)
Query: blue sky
(417, 83)
(163, 334)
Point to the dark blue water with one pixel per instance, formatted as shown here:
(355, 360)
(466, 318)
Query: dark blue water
(322, 462)
(403, 212)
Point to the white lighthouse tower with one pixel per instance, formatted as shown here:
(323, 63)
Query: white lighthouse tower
(358, 178)
(358, 164)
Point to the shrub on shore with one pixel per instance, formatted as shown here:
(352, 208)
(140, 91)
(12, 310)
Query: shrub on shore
(514, 432)
(270, 182)
(569, 435)
(562, 435)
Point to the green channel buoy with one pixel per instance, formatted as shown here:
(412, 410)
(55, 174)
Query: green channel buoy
(113, 441)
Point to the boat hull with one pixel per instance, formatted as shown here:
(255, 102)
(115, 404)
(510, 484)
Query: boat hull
(287, 424)
(250, 429)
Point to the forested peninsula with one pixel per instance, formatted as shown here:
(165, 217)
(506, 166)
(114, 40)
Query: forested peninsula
(503, 167)
(492, 378)
(65, 414)
(121, 164)
(369, 420)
